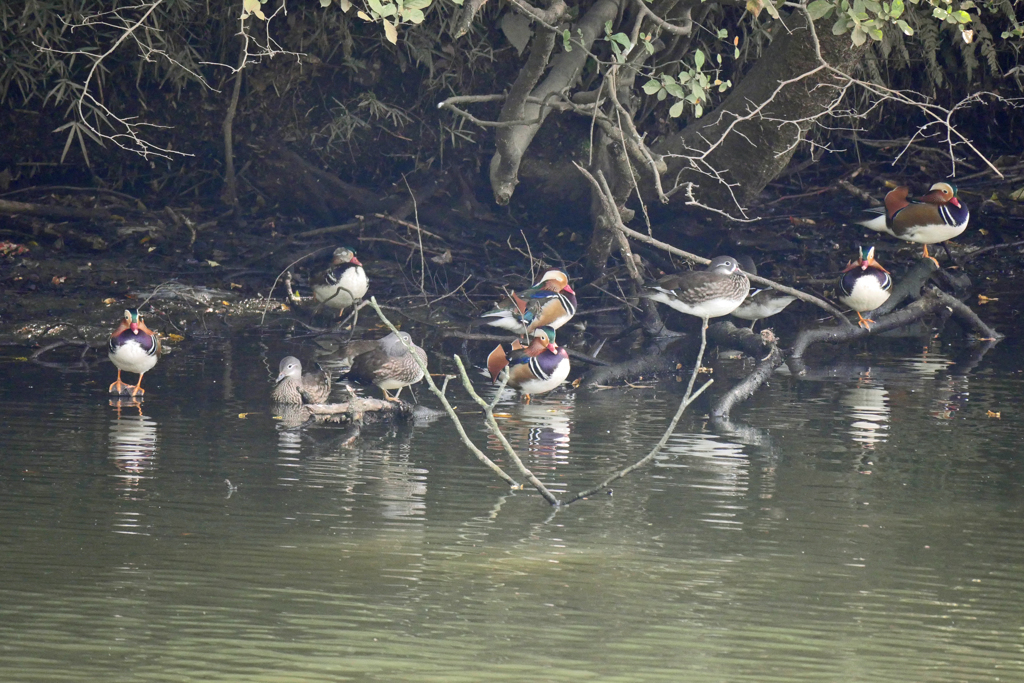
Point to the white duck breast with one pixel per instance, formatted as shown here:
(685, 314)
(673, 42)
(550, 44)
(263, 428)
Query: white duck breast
(867, 293)
(711, 308)
(763, 303)
(343, 291)
(543, 383)
(132, 356)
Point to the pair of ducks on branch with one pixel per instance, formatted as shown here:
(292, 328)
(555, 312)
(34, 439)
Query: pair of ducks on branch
(864, 284)
(538, 365)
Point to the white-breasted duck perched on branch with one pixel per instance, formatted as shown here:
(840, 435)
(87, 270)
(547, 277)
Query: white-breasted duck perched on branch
(295, 388)
(550, 302)
(865, 285)
(343, 283)
(133, 347)
(710, 293)
(936, 217)
(760, 303)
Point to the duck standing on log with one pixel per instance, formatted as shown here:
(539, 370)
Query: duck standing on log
(936, 217)
(343, 283)
(534, 369)
(865, 285)
(133, 347)
(719, 290)
(549, 303)
(386, 362)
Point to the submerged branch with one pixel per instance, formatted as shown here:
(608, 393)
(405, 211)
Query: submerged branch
(688, 398)
(447, 406)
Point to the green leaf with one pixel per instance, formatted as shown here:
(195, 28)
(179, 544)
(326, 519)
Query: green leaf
(684, 77)
(840, 27)
(698, 59)
(413, 16)
(722, 87)
(662, 94)
(566, 40)
(735, 53)
(676, 109)
(652, 86)
(417, 4)
(325, 3)
(699, 92)
(962, 17)
(667, 79)
(819, 9)
(858, 36)
(698, 110)
(897, 9)
(723, 33)
(940, 13)
(649, 46)
(875, 32)
(772, 11)
(622, 39)
(675, 90)
(376, 7)
(905, 27)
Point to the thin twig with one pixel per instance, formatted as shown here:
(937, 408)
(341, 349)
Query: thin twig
(687, 400)
(496, 430)
(444, 401)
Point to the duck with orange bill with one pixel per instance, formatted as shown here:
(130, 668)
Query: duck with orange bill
(534, 369)
(936, 217)
(133, 347)
(865, 285)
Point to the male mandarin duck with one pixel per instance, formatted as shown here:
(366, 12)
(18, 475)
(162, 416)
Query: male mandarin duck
(865, 285)
(936, 217)
(386, 362)
(343, 283)
(719, 290)
(534, 369)
(295, 388)
(133, 348)
(551, 302)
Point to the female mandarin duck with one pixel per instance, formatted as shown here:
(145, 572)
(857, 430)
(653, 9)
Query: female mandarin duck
(551, 303)
(534, 369)
(295, 388)
(760, 303)
(865, 285)
(710, 293)
(343, 283)
(936, 217)
(386, 362)
(133, 348)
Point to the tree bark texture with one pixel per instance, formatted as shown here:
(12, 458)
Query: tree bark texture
(757, 149)
(565, 68)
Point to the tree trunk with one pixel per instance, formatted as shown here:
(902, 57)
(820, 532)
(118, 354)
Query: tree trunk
(728, 160)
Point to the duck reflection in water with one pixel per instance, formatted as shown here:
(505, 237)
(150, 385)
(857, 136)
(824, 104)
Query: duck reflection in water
(133, 443)
(544, 427)
(868, 406)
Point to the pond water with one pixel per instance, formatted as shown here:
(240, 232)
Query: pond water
(860, 524)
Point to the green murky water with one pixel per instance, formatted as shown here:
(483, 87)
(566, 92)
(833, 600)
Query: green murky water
(859, 525)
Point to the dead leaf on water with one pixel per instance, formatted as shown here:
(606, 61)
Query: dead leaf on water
(982, 299)
(997, 415)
